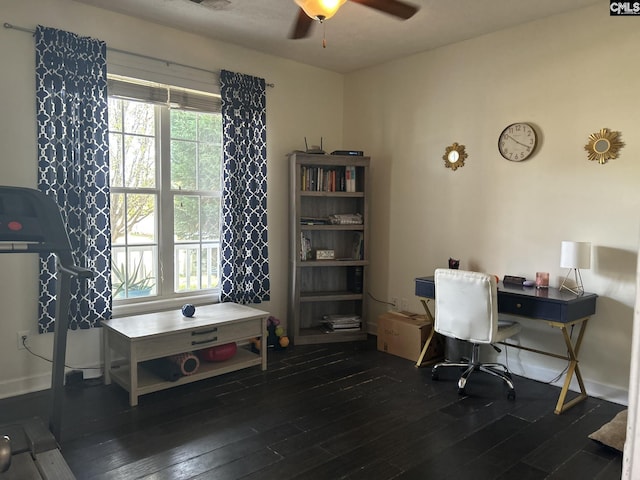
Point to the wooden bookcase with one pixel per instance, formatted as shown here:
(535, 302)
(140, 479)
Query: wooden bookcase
(320, 186)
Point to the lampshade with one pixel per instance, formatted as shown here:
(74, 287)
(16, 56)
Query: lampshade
(320, 9)
(575, 255)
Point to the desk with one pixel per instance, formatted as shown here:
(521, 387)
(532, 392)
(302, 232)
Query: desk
(558, 309)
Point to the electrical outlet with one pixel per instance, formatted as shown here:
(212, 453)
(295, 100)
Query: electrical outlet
(23, 336)
(394, 303)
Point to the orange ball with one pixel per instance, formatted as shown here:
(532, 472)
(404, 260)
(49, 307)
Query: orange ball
(284, 341)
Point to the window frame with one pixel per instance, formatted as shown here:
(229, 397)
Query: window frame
(164, 97)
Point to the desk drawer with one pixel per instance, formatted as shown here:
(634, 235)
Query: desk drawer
(196, 339)
(425, 287)
(529, 307)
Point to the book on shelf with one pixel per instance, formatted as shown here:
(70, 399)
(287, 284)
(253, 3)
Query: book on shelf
(332, 329)
(342, 323)
(342, 327)
(327, 329)
(345, 219)
(351, 178)
(341, 318)
(305, 247)
(314, 220)
(357, 251)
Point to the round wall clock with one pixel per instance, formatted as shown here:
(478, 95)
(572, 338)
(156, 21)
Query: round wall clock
(517, 142)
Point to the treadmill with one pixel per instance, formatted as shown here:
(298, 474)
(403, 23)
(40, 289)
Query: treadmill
(30, 222)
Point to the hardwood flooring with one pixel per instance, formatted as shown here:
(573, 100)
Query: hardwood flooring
(338, 411)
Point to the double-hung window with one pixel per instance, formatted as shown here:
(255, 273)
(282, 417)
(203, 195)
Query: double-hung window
(165, 175)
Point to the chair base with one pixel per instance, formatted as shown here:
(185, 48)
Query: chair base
(496, 369)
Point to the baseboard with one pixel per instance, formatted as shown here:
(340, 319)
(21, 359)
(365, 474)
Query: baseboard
(37, 383)
(24, 385)
(609, 393)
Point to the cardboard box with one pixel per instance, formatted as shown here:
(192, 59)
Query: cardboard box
(404, 334)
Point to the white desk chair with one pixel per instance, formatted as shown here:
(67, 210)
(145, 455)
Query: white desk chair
(467, 309)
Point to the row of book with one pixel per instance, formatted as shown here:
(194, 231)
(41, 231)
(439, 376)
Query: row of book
(329, 179)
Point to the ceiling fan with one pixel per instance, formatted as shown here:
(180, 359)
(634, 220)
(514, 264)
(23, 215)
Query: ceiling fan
(321, 10)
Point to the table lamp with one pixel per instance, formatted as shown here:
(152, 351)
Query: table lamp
(574, 256)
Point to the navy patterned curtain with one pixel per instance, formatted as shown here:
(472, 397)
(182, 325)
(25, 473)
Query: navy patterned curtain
(73, 167)
(243, 246)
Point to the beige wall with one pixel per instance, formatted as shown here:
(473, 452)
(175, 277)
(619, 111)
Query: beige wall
(288, 122)
(569, 75)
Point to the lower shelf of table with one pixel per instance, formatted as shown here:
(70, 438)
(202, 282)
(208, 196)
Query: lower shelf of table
(309, 336)
(148, 382)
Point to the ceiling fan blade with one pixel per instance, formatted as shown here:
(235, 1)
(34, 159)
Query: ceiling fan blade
(392, 7)
(302, 27)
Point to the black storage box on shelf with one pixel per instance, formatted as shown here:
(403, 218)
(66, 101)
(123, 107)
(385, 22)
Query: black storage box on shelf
(511, 280)
(354, 279)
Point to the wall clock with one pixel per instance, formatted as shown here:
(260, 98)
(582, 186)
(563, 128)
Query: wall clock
(517, 142)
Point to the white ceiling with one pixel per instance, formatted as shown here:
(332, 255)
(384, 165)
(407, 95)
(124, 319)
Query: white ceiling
(357, 37)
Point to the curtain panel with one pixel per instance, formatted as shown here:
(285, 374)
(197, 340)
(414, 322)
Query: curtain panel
(244, 255)
(73, 167)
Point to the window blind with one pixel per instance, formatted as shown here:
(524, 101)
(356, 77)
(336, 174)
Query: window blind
(168, 95)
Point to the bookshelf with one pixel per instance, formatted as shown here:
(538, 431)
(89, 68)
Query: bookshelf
(328, 248)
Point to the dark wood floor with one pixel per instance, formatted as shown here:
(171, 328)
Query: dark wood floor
(329, 412)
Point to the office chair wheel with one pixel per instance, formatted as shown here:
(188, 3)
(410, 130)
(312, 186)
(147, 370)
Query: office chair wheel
(461, 391)
(435, 376)
(511, 395)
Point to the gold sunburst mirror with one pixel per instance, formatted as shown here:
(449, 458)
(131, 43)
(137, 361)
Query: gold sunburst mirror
(454, 156)
(603, 146)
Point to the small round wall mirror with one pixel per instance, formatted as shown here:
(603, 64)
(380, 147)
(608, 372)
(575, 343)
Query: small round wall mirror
(454, 156)
(603, 145)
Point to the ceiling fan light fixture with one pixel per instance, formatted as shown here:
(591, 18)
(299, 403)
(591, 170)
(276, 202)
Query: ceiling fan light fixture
(320, 9)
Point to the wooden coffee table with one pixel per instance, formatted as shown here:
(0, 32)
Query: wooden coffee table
(155, 335)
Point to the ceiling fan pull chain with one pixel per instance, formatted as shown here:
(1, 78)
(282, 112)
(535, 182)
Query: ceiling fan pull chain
(324, 31)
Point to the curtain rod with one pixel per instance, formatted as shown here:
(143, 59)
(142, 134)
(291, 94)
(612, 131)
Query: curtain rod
(139, 55)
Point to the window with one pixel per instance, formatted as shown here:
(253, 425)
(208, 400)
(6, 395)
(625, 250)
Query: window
(165, 175)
